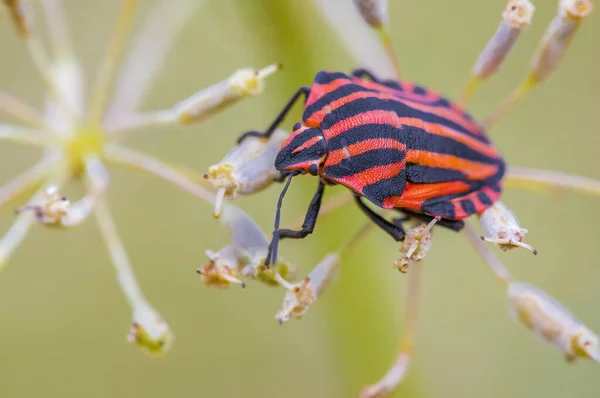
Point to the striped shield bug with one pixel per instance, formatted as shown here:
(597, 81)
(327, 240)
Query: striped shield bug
(398, 145)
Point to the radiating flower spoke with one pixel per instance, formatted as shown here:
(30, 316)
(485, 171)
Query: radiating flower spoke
(27, 180)
(122, 155)
(21, 111)
(25, 135)
(105, 73)
(148, 330)
(538, 179)
(164, 22)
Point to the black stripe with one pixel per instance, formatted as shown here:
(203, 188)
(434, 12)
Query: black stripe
(413, 137)
(382, 189)
(324, 77)
(334, 95)
(444, 209)
(420, 90)
(364, 161)
(362, 105)
(484, 199)
(468, 206)
(420, 174)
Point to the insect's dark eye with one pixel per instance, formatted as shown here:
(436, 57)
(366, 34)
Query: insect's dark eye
(313, 169)
(297, 126)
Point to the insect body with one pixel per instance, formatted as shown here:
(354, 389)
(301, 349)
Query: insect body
(398, 145)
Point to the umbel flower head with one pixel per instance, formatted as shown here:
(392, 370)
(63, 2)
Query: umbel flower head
(79, 134)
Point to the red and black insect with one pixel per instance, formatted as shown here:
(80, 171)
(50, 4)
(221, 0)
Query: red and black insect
(396, 144)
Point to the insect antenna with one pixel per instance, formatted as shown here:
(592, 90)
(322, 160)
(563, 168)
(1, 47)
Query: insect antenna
(272, 253)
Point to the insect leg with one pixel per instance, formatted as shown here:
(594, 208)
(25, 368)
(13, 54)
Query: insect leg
(455, 225)
(362, 73)
(395, 231)
(267, 133)
(307, 227)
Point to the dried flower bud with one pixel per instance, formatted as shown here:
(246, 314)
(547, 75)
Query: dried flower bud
(22, 16)
(150, 331)
(416, 244)
(57, 211)
(374, 12)
(242, 83)
(552, 322)
(557, 37)
(300, 296)
(247, 168)
(501, 227)
(516, 16)
(222, 269)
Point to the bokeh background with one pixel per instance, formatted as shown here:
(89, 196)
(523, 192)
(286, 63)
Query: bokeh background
(64, 320)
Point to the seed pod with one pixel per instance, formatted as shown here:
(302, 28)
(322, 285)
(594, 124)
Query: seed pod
(300, 296)
(501, 227)
(557, 37)
(150, 331)
(21, 15)
(416, 244)
(374, 12)
(516, 16)
(246, 169)
(552, 322)
(242, 83)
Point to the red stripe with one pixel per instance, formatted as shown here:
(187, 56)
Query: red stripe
(473, 170)
(414, 195)
(319, 90)
(370, 117)
(307, 144)
(359, 181)
(336, 156)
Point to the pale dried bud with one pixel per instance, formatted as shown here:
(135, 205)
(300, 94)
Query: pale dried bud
(501, 227)
(57, 211)
(300, 296)
(242, 83)
(150, 331)
(222, 270)
(248, 168)
(251, 247)
(416, 244)
(516, 16)
(557, 37)
(552, 322)
(374, 12)
(21, 15)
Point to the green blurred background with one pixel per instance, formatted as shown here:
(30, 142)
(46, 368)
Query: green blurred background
(64, 320)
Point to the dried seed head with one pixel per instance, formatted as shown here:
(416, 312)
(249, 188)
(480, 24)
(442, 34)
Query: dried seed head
(300, 296)
(552, 322)
(222, 270)
(557, 37)
(242, 83)
(57, 211)
(21, 15)
(516, 16)
(416, 244)
(374, 12)
(518, 13)
(575, 9)
(501, 227)
(247, 168)
(150, 331)
(51, 210)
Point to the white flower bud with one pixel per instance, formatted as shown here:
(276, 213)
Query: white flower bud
(558, 36)
(501, 227)
(516, 16)
(552, 322)
(150, 331)
(248, 168)
(374, 12)
(242, 83)
(300, 296)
